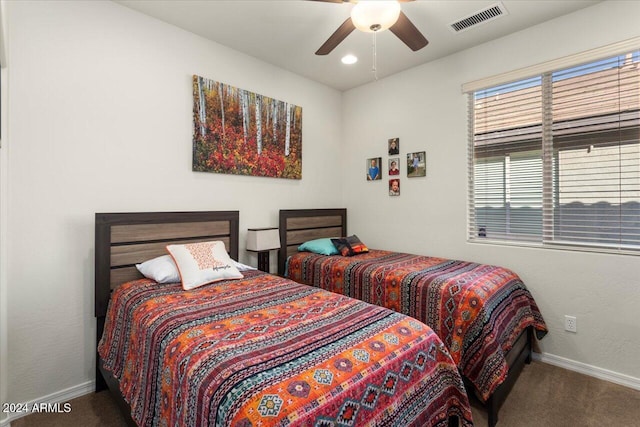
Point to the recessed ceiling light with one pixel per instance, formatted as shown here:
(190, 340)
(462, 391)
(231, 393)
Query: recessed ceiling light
(349, 59)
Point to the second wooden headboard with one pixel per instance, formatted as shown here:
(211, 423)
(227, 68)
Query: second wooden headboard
(299, 225)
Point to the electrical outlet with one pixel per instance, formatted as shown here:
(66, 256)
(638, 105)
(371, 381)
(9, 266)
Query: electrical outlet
(570, 324)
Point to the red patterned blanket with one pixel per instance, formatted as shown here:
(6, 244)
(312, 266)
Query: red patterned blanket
(266, 351)
(477, 310)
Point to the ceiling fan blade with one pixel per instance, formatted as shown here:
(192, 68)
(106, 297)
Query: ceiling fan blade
(340, 34)
(408, 33)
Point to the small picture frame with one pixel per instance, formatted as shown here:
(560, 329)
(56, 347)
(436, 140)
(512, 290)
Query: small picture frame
(394, 166)
(373, 169)
(394, 146)
(416, 164)
(394, 187)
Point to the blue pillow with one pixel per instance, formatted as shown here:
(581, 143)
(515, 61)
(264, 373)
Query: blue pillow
(319, 246)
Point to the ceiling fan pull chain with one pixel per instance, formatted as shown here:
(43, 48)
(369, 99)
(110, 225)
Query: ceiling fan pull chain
(375, 57)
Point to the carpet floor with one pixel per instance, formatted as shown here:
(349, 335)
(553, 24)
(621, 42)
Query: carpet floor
(544, 395)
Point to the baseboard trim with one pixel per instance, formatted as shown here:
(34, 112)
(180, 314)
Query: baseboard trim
(61, 396)
(592, 371)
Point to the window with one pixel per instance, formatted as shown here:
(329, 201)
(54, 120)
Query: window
(555, 159)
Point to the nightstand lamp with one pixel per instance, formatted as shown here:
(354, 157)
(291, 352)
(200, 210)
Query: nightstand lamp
(263, 240)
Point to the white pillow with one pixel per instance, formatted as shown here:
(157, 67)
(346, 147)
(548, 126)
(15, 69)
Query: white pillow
(242, 267)
(202, 263)
(161, 269)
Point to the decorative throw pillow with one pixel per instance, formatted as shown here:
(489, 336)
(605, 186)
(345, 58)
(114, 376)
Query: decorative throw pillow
(319, 246)
(349, 246)
(161, 269)
(202, 263)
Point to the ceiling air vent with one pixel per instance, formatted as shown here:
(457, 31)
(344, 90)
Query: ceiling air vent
(485, 15)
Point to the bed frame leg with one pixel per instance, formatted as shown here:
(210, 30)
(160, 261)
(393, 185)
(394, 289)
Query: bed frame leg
(529, 349)
(101, 383)
(492, 411)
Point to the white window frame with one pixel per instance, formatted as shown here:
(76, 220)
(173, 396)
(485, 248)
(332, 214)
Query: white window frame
(544, 70)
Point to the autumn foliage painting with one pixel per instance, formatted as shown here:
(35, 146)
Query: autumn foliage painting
(240, 132)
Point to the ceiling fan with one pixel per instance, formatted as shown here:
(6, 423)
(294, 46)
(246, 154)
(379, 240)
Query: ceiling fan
(374, 16)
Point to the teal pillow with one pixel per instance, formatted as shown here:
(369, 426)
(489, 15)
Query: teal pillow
(319, 246)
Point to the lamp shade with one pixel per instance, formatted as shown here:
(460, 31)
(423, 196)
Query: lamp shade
(370, 16)
(263, 239)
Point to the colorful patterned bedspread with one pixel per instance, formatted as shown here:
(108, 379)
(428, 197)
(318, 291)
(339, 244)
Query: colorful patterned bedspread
(266, 351)
(477, 310)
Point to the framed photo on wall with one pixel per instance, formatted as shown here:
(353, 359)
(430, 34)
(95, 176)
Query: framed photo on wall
(394, 166)
(416, 164)
(373, 169)
(394, 187)
(394, 146)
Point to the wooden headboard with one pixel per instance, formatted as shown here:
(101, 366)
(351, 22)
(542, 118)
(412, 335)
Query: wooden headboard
(299, 225)
(125, 239)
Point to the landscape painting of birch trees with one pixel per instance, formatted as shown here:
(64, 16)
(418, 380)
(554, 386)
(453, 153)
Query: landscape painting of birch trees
(240, 132)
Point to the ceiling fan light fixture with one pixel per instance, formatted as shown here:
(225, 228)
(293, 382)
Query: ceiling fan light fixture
(349, 59)
(372, 16)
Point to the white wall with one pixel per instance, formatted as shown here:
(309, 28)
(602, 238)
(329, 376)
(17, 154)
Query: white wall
(425, 108)
(100, 120)
(3, 212)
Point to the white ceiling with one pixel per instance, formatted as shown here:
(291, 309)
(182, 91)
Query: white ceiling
(287, 33)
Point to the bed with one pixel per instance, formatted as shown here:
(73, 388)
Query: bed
(256, 350)
(484, 314)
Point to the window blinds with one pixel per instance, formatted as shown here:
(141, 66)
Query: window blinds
(555, 158)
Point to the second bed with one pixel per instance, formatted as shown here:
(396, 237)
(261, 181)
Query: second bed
(484, 314)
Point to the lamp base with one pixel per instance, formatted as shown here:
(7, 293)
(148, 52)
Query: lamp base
(263, 261)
